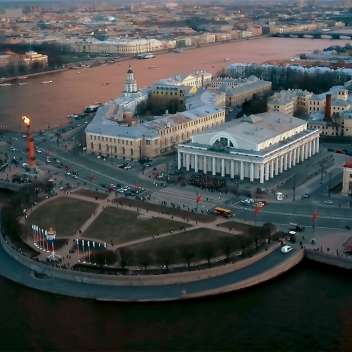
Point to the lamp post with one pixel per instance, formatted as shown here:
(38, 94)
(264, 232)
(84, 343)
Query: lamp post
(51, 234)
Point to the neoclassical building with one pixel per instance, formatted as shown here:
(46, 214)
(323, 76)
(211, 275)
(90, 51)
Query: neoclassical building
(257, 147)
(115, 132)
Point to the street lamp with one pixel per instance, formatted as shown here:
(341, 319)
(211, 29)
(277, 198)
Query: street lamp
(50, 236)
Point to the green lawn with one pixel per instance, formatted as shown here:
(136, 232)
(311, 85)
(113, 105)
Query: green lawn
(167, 210)
(198, 244)
(121, 226)
(91, 194)
(65, 215)
(239, 226)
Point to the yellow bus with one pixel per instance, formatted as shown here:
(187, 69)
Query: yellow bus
(226, 213)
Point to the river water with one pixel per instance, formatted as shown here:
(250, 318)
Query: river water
(72, 90)
(307, 309)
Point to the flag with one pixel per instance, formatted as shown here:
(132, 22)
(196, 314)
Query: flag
(315, 216)
(257, 210)
(199, 199)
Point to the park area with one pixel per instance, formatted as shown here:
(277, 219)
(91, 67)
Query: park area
(65, 215)
(201, 244)
(119, 226)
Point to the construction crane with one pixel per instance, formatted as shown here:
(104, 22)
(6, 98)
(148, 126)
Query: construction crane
(30, 142)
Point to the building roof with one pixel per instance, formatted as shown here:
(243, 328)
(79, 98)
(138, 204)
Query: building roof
(249, 132)
(201, 104)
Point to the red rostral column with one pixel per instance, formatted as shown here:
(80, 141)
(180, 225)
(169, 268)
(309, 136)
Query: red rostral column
(30, 142)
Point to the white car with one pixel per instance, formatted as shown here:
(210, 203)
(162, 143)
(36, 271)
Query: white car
(286, 249)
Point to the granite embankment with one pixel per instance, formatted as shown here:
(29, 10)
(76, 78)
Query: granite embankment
(23, 270)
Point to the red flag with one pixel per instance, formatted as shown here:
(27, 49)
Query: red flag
(315, 216)
(257, 209)
(199, 198)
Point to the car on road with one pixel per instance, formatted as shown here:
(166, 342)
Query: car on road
(247, 202)
(286, 249)
(127, 167)
(328, 202)
(260, 204)
(306, 195)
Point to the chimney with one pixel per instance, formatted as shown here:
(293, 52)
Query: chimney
(328, 107)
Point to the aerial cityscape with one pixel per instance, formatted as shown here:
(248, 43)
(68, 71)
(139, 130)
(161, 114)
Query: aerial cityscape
(176, 175)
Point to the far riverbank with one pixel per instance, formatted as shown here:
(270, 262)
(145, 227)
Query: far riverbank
(72, 90)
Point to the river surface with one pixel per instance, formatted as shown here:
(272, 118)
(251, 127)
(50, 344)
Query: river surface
(307, 309)
(49, 104)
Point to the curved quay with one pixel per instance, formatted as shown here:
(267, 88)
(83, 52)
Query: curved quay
(14, 266)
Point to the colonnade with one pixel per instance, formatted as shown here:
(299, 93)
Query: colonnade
(247, 166)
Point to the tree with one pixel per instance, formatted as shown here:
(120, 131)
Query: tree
(125, 256)
(207, 251)
(267, 230)
(187, 254)
(226, 247)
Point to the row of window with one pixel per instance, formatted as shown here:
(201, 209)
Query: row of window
(110, 139)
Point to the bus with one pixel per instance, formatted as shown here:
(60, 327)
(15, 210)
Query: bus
(226, 213)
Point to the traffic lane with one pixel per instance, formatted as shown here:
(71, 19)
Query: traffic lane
(101, 171)
(286, 218)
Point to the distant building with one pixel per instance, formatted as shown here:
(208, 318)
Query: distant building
(347, 178)
(329, 112)
(292, 101)
(240, 90)
(31, 58)
(123, 46)
(257, 147)
(179, 86)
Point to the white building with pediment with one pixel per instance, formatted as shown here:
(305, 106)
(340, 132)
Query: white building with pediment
(256, 147)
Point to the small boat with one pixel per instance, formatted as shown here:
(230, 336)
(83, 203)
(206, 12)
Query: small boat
(46, 82)
(22, 83)
(5, 84)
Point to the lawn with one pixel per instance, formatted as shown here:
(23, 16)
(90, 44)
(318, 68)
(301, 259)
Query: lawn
(65, 215)
(239, 226)
(167, 210)
(91, 194)
(196, 244)
(119, 225)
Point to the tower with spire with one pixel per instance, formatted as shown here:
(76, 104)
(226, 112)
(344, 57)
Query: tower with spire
(130, 83)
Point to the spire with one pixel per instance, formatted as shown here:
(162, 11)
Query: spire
(130, 83)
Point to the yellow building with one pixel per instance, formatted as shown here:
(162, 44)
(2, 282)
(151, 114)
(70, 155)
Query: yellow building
(111, 135)
(32, 57)
(110, 138)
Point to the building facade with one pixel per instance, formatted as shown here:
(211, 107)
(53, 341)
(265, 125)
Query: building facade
(238, 91)
(257, 147)
(112, 134)
(347, 178)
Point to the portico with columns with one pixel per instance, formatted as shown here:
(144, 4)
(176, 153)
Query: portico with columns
(230, 159)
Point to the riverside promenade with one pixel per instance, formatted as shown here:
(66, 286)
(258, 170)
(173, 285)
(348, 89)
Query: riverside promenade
(25, 271)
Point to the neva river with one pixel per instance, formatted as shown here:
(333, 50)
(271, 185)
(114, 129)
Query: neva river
(49, 104)
(307, 309)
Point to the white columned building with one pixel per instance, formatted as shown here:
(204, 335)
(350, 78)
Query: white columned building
(257, 147)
